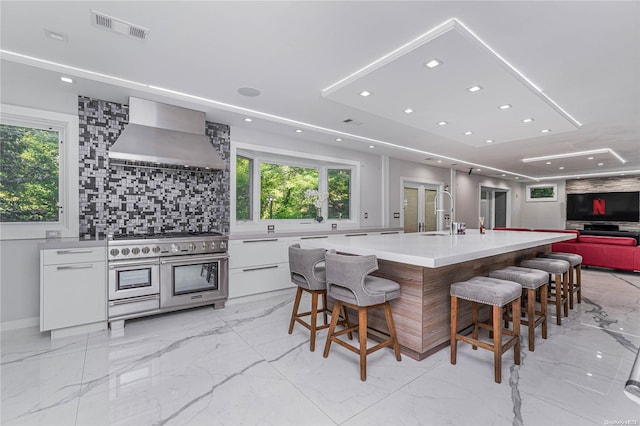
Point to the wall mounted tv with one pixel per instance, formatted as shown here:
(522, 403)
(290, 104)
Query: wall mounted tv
(604, 206)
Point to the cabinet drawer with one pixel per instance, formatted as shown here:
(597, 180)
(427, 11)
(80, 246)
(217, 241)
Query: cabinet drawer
(253, 280)
(73, 255)
(244, 253)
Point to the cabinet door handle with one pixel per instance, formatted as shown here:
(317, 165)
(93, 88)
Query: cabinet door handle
(73, 251)
(314, 238)
(62, 268)
(355, 235)
(260, 268)
(260, 241)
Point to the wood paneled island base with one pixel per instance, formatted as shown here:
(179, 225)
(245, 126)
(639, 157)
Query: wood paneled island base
(422, 313)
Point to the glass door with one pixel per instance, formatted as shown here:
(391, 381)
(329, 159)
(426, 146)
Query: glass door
(419, 207)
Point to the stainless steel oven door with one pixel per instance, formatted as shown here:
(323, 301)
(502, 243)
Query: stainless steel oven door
(133, 278)
(193, 280)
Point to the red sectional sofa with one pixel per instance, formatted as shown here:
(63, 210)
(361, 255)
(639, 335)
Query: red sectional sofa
(607, 252)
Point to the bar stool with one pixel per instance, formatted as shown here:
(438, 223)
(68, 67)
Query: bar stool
(498, 294)
(531, 280)
(575, 260)
(558, 295)
(349, 284)
(308, 273)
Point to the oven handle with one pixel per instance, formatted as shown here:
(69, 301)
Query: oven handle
(133, 300)
(114, 265)
(190, 259)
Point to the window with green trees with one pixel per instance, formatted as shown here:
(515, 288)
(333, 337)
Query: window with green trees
(29, 174)
(291, 191)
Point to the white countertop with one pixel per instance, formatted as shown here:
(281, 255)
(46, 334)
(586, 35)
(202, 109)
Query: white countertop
(433, 250)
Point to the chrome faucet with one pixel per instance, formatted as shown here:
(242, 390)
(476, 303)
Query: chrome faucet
(436, 209)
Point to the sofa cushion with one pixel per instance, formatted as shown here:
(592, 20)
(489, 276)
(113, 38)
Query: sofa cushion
(614, 241)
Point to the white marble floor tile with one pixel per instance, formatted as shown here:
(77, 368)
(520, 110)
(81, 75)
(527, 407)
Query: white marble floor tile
(239, 366)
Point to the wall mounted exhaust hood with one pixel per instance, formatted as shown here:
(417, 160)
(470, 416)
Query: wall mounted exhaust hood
(165, 134)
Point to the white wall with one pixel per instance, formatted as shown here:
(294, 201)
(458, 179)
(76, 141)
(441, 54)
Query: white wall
(545, 214)
(19, 283)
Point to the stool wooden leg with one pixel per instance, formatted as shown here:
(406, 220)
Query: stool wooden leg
(565, 292)
(474, 320)
(332, 327)
(314, 319)
(362, 336)
(392, 330)
(324, 306)
(346, 320)
(543, 308)
(516, 330)
(558, 300)
(294, 313)
(497, 343)
(531, 317)
(570, 287)
(454, 329)
(579, 282)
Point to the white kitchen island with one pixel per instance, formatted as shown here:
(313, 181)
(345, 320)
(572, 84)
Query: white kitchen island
(426, 264)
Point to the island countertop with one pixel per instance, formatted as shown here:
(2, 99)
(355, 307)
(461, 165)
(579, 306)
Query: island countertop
(433, 250)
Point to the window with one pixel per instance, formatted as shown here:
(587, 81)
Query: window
(292, 187)
(38, 173)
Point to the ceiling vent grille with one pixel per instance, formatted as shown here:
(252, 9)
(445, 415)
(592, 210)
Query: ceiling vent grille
(119, 26)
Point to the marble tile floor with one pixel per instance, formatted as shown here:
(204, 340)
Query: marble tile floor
(238, 366)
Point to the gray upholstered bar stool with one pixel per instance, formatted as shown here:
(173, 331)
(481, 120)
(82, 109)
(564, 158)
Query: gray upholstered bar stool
(498, 294)
(531, 280)
(558, 294)
(575, 273)
(349, 284)
(308, 273)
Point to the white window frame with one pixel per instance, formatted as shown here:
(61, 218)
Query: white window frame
(68, 223)
(264, 154)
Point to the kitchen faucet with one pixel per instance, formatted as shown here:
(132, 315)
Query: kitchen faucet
(436, 209)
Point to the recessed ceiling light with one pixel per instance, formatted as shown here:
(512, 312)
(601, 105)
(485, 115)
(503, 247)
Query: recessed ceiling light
(517, 177)
(505, 106)
(503, 174)
(600, 164)
(371, 146)
(474, 89)
(364, 93)
(439, 161)
(298, 131)
(66, 79)
(527, 120)
(621, 174)
(545, 130)
(561, 167)
(548, 162)
(338, 139)
(442, 123)
(408, 111)
(249, 91)
(433, 63)
(590, 158)
(468, 133)
(248, 119)
(489, 141)
(478, 170)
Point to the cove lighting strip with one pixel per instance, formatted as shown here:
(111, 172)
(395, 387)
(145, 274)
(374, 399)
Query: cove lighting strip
(105, 78)
(574, 154)
(588, 175)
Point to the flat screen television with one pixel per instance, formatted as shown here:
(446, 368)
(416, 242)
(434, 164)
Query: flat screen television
(604, 206)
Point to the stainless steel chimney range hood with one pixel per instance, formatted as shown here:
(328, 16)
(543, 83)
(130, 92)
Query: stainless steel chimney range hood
(165, 134)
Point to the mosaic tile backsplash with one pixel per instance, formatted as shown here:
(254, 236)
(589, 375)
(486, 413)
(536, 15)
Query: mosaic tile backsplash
(124, 198)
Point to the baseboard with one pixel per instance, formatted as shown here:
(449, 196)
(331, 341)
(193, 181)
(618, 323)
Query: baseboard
(18, 324)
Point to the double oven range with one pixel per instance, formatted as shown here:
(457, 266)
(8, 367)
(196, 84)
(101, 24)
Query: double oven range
(155, 273)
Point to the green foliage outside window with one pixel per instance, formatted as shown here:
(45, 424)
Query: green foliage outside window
(243, 188)
(339, 193)
(282, 190)
(29, 169)
(541, 192)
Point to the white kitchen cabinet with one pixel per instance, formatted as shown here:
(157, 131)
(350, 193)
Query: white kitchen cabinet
(73, 293)
(259, 265)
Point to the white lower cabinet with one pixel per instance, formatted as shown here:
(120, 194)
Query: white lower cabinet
(73, 293)
(259, 265)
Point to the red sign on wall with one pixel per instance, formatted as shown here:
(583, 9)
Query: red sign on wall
(598, 206)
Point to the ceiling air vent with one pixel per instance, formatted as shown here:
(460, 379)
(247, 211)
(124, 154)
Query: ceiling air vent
(118, 25)
(352, 122)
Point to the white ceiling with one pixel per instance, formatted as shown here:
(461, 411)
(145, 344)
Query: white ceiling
(584, 56)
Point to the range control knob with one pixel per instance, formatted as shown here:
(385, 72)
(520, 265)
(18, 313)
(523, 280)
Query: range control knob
(125, 251)
(213, 245)
(114, 252)
(156, 249)
(204, 245)
(222, 244)
(192, 247)
(135, 250)
(145, 250)
(175, 248)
